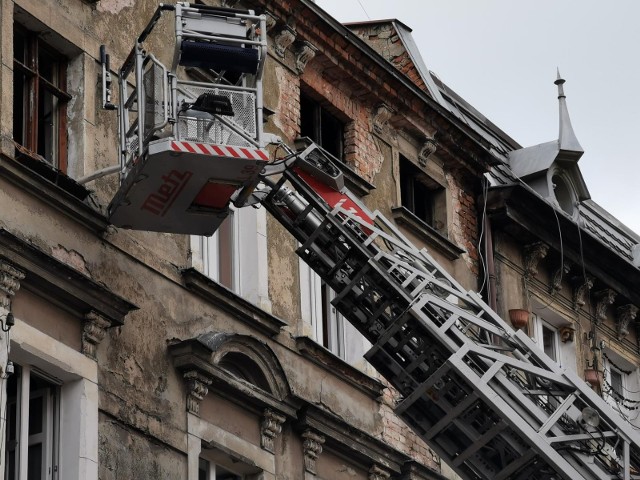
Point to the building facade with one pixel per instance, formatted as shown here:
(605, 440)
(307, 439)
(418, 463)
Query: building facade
(136, 354)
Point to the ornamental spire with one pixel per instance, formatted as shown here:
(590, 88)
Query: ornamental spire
(567, 140)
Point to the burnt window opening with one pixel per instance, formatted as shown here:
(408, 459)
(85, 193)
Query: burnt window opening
(317, 123)
(39, 99)
(244, 368)
(421, 195)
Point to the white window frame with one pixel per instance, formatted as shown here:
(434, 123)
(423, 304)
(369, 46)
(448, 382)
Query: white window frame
(630, 383)
(78, 399)
(311, 310)
(201, 433)
(539, 324)
(248, 256)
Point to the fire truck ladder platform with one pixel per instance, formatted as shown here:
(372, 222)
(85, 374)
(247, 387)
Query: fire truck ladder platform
(484, 397)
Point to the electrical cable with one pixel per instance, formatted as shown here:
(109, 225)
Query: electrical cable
(483, 261)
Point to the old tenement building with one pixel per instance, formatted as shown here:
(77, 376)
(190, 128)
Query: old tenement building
(135, 354)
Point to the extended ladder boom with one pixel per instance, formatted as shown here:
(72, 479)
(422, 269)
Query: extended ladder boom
(483, 396)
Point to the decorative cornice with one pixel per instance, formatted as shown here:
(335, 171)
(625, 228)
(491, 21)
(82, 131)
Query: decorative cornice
(270, 428)
(242, 310)
(378, 473)
(10, 278)
(428, 148)
(604, 298)
(193, 355)
(197, 388)
(533, 253)
(625, 315)
(61, 284)
(581, 288)
(285, 37)
(305, 52)
(93, 332)
(54, 188)
(319, 355)
(381, 117)
(312, 446)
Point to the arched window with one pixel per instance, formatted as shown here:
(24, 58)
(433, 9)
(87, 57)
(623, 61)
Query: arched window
(241, 366)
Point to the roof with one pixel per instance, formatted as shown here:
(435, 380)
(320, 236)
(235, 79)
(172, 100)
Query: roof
(517, 162)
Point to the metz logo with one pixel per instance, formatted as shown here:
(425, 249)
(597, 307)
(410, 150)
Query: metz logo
(159, 202)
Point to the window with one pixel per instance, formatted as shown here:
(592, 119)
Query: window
(621, 385)
(236, 255)
(33, 425)
(422, 195)
(210, 471)
(220, 255)
(547, 337)
(317, 123)
(562, 192)
(326, 323)
(39, 98)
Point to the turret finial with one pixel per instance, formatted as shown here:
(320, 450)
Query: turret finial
(567, 140)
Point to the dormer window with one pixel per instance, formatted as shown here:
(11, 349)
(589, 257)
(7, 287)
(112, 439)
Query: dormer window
(563, 193)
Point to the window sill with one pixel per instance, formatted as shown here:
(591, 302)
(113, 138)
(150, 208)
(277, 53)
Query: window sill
(435, 239)
(229, 301)
(319, 355)
(54, 188)
(60, 284)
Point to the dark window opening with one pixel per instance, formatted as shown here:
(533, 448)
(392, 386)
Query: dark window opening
(317, 123)
(562, 192)
(39, 99)
(244, 368)
(421, 195)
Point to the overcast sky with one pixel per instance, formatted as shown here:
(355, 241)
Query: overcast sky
(501, 56)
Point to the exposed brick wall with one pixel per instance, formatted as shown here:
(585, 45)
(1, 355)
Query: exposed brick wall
(287, 117)
(464, 229)
(384, 39)
(360, 150)
(396, 433)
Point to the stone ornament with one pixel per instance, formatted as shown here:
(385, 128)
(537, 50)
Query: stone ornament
(381, 117)
(285, 37)
(10, 278)
(428, 148)
(533, 253)
(270, 428)
(376, 472)
(625, 315)
(305, 52)
(94, 329)
(312, 446)
(604, 298)
(197, 389)
(581, 290)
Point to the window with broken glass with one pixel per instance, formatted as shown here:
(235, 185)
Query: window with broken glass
(422, 196)
(39, 99)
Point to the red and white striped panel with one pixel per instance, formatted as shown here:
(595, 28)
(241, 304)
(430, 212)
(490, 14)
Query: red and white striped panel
(247, 153)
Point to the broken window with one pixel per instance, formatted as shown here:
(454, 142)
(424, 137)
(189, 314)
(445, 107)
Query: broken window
(422, 196)
(39, 99)
(317, 123)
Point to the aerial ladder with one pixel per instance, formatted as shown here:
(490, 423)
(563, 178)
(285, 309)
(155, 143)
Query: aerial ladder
(481, 395)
